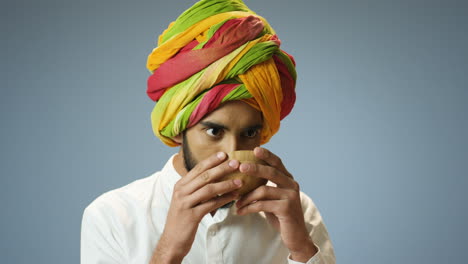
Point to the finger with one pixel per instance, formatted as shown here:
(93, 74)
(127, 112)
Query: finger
(215, 203)
(270, 173)
(276, 207)
(214, 190)
(204, 165)
(211, 175)
(271, 159)
(264, 193)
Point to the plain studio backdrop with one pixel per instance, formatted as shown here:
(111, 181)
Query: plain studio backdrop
(378, 136)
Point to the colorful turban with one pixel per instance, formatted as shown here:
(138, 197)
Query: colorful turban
(218, 51)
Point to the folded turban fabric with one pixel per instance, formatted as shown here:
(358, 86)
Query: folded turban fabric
(218, 51)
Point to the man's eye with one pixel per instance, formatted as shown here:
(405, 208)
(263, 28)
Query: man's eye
(214, 132)
(251, 133)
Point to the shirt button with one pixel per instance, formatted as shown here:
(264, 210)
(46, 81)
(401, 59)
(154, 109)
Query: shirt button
(213, 230)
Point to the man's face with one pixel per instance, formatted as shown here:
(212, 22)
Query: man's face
(233, 126)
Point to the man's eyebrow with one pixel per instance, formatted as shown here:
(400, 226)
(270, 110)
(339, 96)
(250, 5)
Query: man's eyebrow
(254, 127)
(213, 125)
(221, 126)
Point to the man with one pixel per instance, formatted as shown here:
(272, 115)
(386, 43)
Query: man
(221, 84)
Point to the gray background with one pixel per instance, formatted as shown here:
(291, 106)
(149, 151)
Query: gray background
(377, 137)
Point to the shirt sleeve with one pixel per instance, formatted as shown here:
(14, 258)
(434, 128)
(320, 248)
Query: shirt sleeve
(318, 232)
(314, 260)
(98, 238)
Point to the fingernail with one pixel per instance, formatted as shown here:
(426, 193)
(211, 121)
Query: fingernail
(221, 155)
(263, 152)
(238, 182)
(258, 151)
(233, 163)
(244, 167)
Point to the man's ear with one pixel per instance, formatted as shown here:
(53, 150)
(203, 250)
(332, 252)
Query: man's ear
(178, 138)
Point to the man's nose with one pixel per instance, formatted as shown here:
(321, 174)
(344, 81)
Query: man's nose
(234, 143)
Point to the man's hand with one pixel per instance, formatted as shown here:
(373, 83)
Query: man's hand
(281, 204)
(194, 196)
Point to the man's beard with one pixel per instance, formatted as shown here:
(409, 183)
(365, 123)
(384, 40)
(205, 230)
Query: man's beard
(189, 161)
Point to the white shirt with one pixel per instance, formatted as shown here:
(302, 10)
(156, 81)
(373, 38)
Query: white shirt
(124, 226)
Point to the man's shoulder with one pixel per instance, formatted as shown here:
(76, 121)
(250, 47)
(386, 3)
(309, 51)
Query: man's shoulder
(134, 195)
(306, 200)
